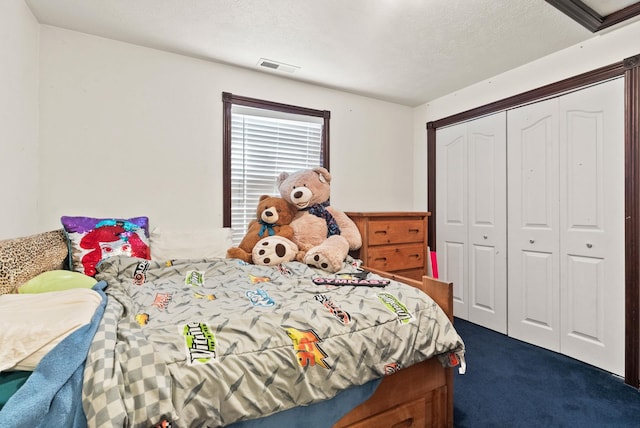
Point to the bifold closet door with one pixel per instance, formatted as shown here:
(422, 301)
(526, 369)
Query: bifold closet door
(566, 224)
(533, 212)
(592, 249)
(452, 191)
(471, 218)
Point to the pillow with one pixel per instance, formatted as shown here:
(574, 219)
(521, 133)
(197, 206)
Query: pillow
(190, 244)
(23, 258)
(56, 280)
(93, 239)
(33, 324)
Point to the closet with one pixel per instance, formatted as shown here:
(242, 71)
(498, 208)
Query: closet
(530, 222)
(471, 219)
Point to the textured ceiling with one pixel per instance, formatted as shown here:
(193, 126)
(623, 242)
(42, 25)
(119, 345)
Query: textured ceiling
(404, 51)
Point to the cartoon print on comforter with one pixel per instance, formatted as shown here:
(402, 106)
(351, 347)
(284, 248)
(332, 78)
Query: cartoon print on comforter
(212, 342)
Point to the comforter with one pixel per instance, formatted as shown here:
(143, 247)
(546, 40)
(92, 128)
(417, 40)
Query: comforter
(212, 342)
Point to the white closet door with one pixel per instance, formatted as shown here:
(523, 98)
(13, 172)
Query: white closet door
(471, 218)
(592, 263)
(451, 213)
(487, 219)
(533, 212)
(566, 224)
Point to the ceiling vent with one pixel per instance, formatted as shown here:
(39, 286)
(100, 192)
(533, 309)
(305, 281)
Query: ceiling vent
(277, 66)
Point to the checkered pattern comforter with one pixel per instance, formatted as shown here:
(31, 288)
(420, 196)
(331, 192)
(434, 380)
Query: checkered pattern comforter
(212, 342)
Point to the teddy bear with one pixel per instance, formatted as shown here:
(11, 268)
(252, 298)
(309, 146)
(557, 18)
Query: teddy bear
(273, 218)
(323, 234)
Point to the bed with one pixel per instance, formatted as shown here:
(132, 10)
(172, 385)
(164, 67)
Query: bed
(218, 342)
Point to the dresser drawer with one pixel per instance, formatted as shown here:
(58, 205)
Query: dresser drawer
(393, 241)
(408, 415)
(383, 232)
(396, 257)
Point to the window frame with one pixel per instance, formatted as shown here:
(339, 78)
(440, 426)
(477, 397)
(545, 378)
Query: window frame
(228, 100)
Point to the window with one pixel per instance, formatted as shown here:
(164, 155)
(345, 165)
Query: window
(262, 139)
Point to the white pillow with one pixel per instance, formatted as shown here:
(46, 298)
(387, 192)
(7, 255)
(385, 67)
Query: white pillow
(33, 324)
(190, 244)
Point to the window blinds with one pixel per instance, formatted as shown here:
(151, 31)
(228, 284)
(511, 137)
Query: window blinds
(265, 143)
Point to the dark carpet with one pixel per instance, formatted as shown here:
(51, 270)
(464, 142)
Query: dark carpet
(513, 384)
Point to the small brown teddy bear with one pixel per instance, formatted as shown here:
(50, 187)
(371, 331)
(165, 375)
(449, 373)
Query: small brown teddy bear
(273, 217)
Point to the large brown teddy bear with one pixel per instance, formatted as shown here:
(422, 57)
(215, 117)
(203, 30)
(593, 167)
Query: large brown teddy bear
(273, 218)
(323, 234)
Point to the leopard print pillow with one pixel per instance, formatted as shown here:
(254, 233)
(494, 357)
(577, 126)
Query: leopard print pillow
(24, 258)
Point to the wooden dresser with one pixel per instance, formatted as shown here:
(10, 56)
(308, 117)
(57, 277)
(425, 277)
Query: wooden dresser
(394, 242)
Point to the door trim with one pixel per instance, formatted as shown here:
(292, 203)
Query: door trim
(630, 69)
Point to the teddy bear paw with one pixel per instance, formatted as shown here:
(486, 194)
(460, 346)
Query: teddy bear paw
(273, 250)
(320, 260)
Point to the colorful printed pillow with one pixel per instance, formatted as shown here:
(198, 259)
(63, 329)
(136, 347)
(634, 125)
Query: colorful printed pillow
(94, 239)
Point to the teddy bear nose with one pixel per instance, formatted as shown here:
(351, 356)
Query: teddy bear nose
(297, 194)
(268, 213)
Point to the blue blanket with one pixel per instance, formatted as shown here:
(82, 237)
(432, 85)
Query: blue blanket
(52, 395)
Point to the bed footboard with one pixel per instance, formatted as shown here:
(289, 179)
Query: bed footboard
(417, 396)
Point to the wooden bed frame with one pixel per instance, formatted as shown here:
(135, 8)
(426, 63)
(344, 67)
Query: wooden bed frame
(417, 396)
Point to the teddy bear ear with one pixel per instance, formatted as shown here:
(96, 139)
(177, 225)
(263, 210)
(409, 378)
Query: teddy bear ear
(323, 174)
(283, 176)
(263, 197)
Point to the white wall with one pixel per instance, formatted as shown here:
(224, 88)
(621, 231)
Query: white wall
(18, 120)
(127, 130)
(601, 50)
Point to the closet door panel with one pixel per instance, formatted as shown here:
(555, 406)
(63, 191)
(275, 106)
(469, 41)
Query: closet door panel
(482, 260)
(539, 297)
(533, 273)
(584, 289)
(451, 213)
(592, 225)
(487, 222)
